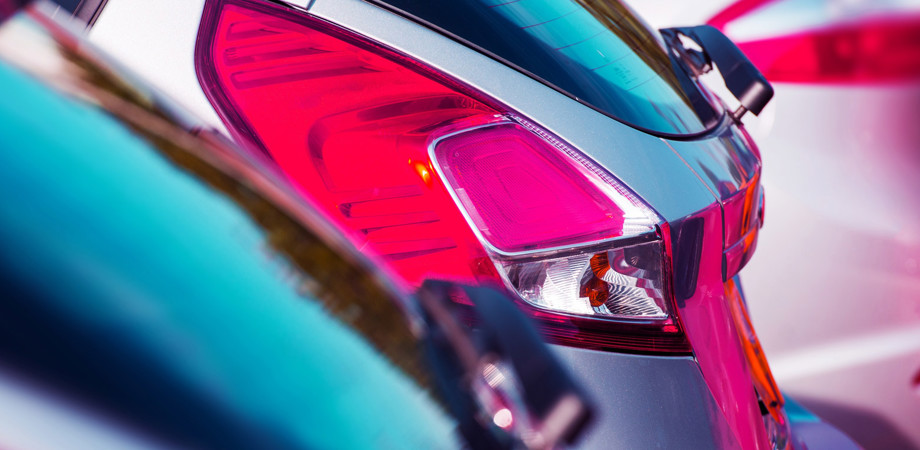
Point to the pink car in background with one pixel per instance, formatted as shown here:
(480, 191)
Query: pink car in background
(835, 288)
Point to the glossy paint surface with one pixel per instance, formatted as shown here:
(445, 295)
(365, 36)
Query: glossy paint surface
(729, 163)
(713, 334)
(191, 304)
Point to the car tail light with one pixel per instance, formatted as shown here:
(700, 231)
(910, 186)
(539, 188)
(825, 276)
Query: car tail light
(439, 179)
(775, 419)
(825, 41)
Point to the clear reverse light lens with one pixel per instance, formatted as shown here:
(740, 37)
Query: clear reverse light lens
(622, 282)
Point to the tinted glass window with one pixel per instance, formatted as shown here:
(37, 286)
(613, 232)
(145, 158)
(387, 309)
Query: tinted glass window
(597, 51)
(68, 5)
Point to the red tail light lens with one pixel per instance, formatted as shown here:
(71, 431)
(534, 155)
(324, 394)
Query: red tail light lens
(440, 180)
(350, 124)
(839, 44)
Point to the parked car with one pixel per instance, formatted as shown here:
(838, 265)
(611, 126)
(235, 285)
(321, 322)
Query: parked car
(162, 291)
(840, 145)
(560, 151)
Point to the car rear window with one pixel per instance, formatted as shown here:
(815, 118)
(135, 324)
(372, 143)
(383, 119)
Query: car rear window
(596, 51)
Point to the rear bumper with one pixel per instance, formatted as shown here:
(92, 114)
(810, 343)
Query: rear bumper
(647, 402)
(664, 402)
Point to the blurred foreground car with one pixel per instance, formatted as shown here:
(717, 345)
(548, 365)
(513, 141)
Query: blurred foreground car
(835, 289)
(160, 291)
(559, 149)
